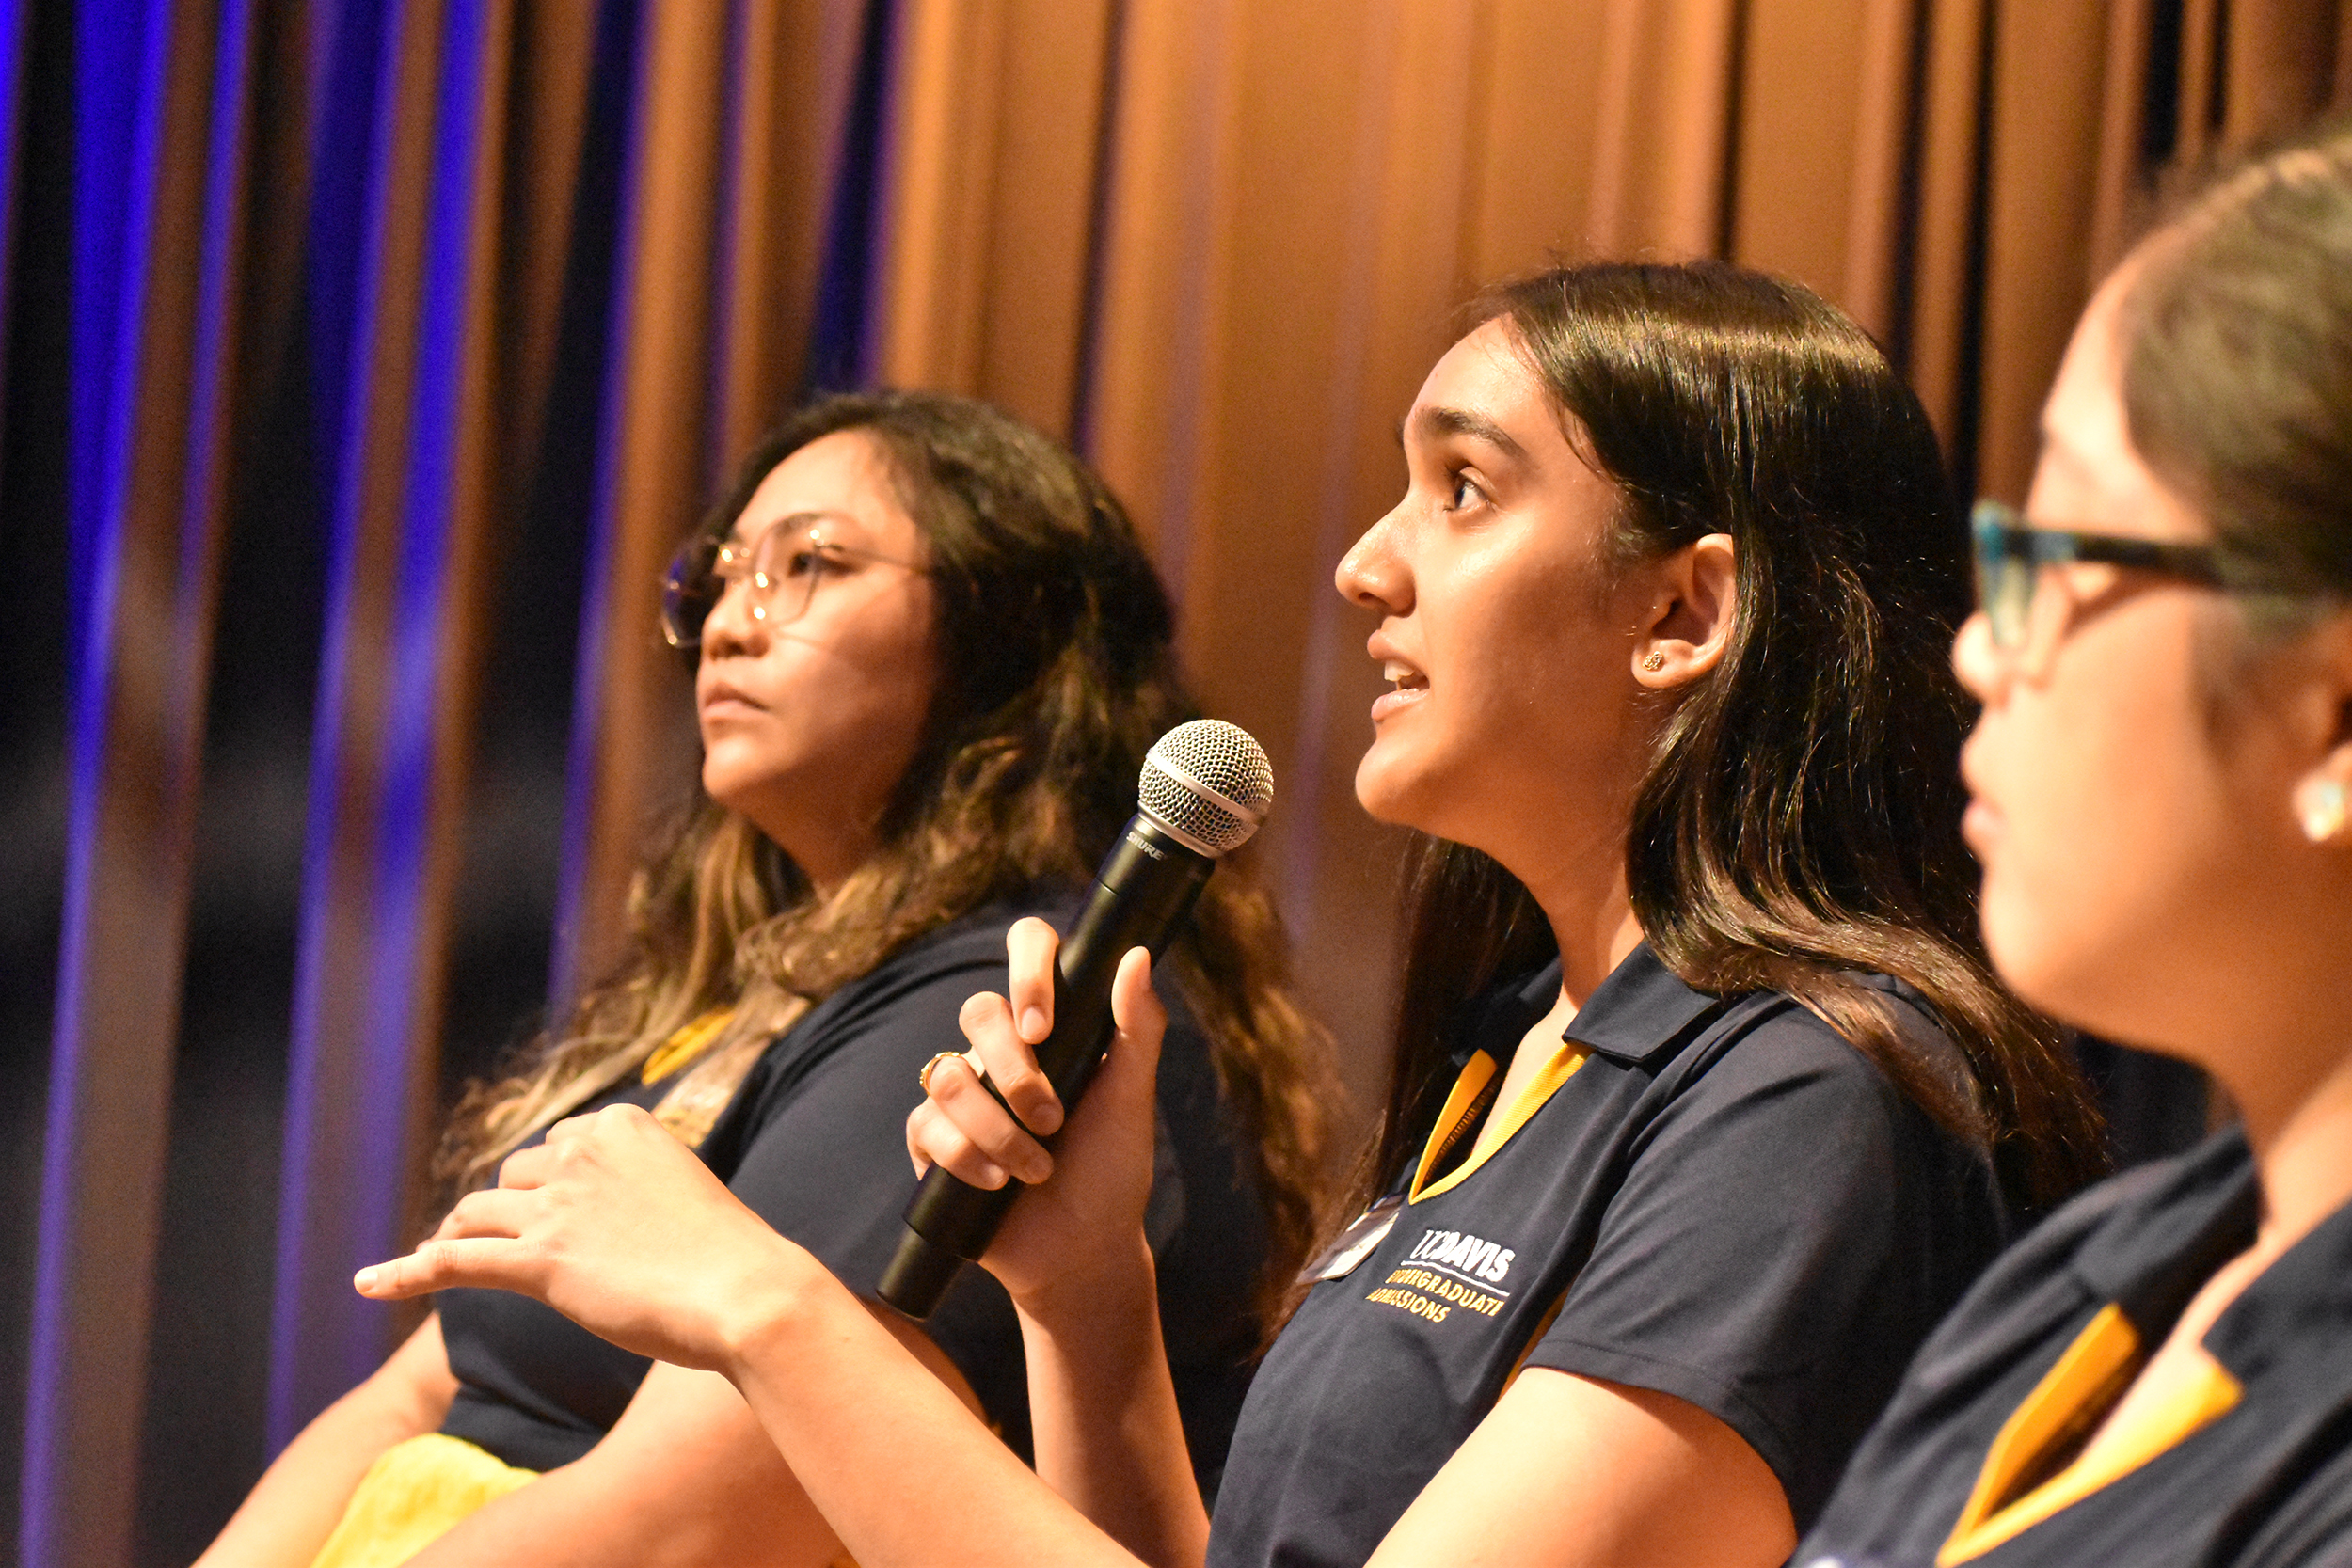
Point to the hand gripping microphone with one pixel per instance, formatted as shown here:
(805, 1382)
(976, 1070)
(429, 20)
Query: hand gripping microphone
(1205, 788)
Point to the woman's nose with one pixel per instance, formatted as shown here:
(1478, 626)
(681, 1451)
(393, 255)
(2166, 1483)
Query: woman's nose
(1372, 573)
(731, 628)
(1975, 660)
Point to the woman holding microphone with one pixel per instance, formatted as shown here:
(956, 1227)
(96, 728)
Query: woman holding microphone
(1704, 1108)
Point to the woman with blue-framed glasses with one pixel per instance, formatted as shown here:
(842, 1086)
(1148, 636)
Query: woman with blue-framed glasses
(2026, 606)
(2162, 1373)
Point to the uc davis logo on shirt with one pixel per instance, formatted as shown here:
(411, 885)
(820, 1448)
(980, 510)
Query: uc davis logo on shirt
(1447, 1268)
(1455, 1249)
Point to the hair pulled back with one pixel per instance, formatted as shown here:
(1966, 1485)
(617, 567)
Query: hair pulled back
(2237, 346)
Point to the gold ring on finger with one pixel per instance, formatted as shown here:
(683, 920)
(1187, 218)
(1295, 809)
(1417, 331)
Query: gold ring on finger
(923, 1076)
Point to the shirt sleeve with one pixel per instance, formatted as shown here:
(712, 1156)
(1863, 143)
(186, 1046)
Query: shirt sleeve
(826, 1163)
(1788, 1227)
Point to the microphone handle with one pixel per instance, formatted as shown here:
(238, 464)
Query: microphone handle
(1145, 888)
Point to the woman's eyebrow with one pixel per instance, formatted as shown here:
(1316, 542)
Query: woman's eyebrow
(798, 522)
(1435, 422)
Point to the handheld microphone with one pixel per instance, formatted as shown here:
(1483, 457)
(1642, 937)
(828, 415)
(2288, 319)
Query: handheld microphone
(1205, 788)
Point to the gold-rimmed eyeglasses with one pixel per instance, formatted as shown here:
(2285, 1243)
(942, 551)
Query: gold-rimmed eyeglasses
(780, 569)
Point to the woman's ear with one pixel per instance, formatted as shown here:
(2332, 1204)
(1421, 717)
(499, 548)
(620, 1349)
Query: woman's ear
(2323, 800)
(1689, 624)
(2323, 795)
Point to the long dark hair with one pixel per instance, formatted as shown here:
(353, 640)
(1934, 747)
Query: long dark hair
(1056, 673)
(1799, 819)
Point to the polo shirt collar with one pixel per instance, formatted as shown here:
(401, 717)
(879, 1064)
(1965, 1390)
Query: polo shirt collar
(2155, 1252)
(2153, 1256)
(1639, 1012)
(1642, 1011)
(2296, 1312)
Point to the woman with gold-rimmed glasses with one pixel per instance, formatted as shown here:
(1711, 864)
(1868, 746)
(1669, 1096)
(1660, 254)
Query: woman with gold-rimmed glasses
(930, 654)
(781, 567)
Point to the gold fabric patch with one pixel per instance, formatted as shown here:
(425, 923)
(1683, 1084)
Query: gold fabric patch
(1462, 1105)
(718, 1059)
(415, 1492)
(2062, 1410)
(683, 1046)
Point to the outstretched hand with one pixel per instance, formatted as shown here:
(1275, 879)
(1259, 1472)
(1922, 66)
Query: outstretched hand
(1086, 1211)
(619, 1227)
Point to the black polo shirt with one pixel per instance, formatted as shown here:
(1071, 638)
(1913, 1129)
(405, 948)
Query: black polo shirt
(1718, 1199)
(2266, 1483)
(814, 1141)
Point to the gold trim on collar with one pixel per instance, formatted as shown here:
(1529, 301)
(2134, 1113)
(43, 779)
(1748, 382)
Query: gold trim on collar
(2072, 1396)
(1461, 1105)
(684, 1045)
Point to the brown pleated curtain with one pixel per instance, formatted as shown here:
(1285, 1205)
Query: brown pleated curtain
(1216, 243)
(1223, 240)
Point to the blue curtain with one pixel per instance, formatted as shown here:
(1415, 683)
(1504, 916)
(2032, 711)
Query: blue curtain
(356, 291)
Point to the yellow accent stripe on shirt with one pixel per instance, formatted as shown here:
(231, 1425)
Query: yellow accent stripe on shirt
(685, 1045)
(1556, 1071)
(415, 1492)
(1460, 1101)
(2106, 1350)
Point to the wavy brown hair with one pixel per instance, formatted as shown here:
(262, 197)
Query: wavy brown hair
(1798, 819)
(1056, 673)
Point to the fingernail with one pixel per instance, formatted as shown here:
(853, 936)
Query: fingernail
(364, 1279)
(1037, 1170)
(1033, 1024)
(1046, 1117)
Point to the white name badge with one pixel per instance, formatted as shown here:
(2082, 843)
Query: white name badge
(1356, 1242)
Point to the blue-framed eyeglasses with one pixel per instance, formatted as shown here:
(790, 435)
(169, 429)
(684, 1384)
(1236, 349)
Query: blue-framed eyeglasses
(2011, 553)
(782, 570)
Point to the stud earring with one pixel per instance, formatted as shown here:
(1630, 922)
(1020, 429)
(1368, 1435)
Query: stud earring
(1657, 661)
(2326, 807)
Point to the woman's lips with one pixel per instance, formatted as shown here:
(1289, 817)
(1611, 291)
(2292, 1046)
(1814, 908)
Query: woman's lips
(1981, 825)
(725, 702)
(1410, 684)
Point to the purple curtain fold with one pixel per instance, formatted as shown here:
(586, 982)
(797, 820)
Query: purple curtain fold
(580, 817)
(367, 972)
(12, 44)
(157, 221)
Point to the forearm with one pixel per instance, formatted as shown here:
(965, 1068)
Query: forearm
(289, 1513)
(1103, 1413)
(886, 1452)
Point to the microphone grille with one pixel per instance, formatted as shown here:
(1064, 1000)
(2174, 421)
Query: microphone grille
(1209, 784)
